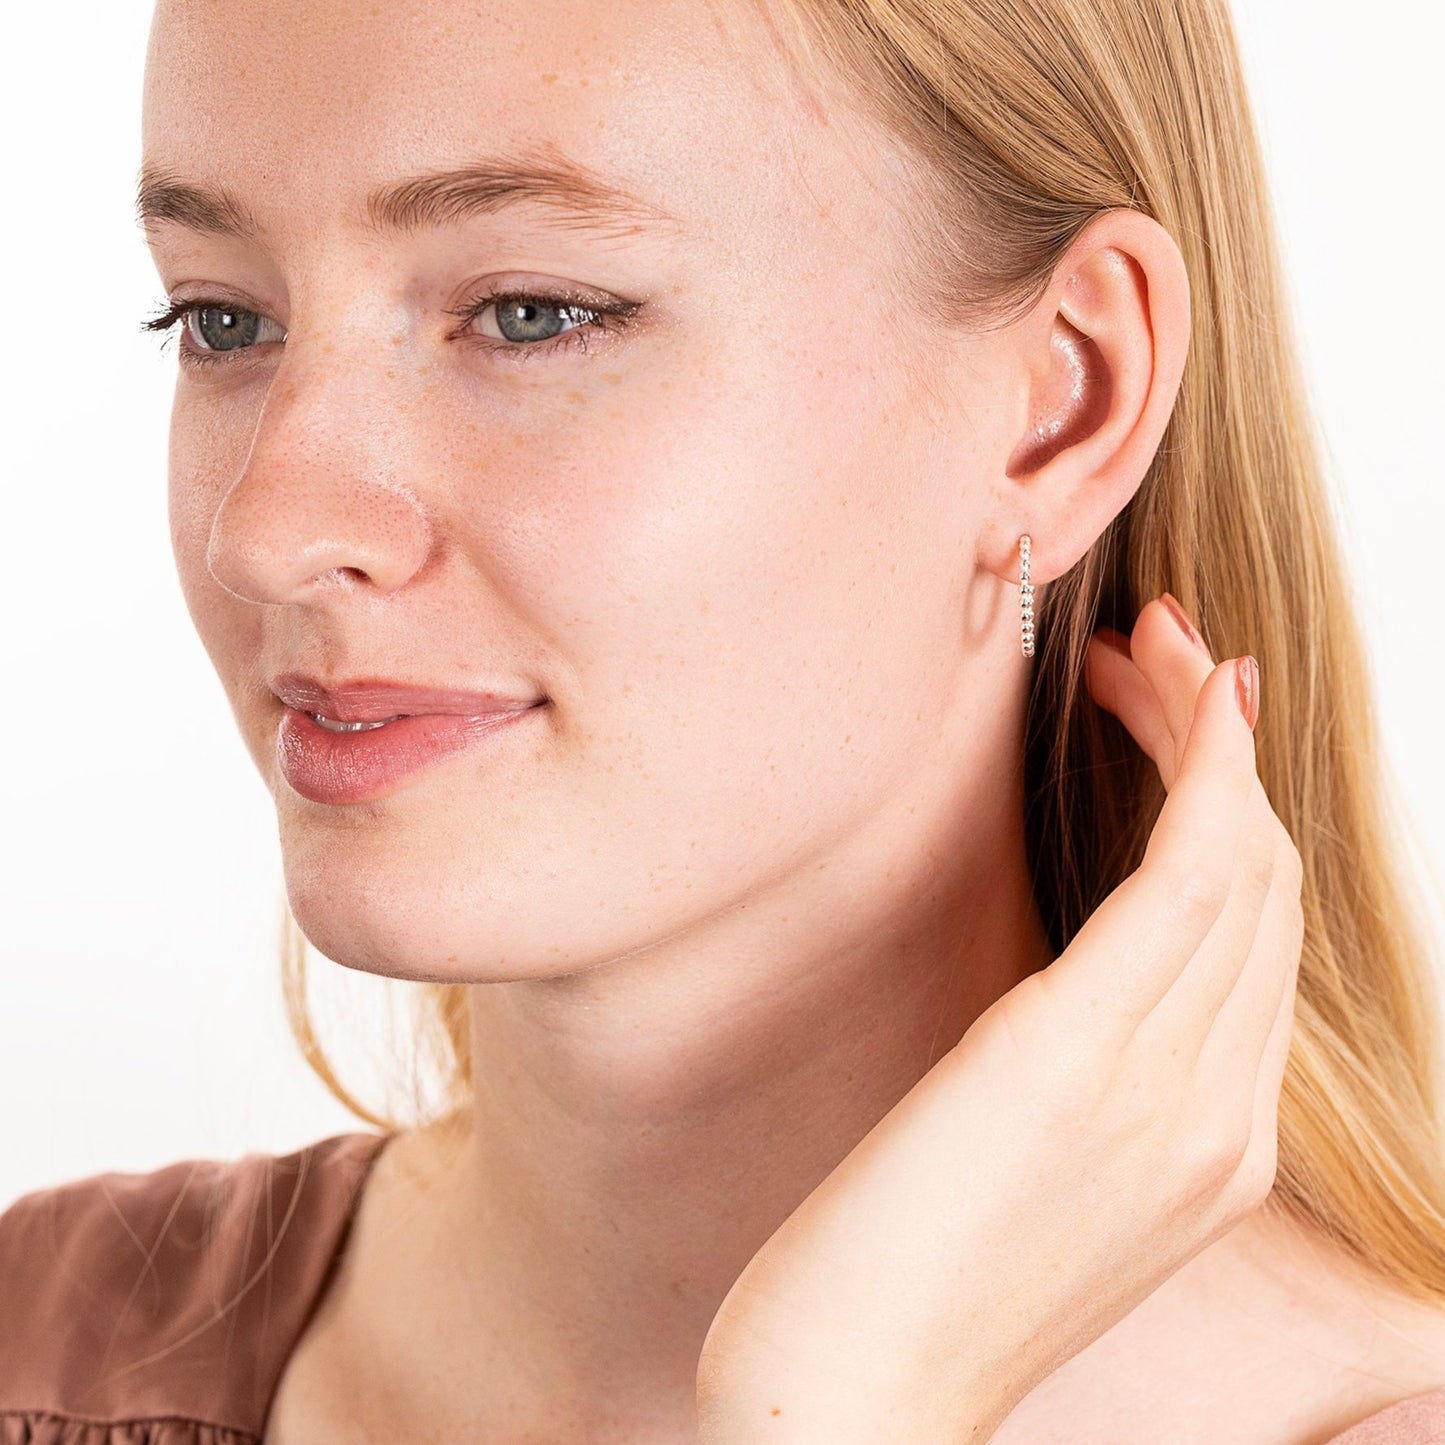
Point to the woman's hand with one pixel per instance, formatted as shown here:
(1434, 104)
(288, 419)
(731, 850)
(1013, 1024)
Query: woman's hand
(1093, 1130)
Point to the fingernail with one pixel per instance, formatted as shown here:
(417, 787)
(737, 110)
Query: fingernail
(1246, 688)
(1185, 625)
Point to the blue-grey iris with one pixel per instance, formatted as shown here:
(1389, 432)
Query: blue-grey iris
(521, 317)
(224, 329)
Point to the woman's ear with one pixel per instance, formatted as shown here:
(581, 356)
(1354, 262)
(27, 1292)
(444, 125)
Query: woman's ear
(1102, 354)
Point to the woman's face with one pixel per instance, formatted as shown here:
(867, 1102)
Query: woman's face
(728, 538)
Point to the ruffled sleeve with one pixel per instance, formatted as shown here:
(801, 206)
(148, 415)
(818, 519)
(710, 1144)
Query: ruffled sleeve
(160, 1308)
(31, 1428)
(1419, 1420)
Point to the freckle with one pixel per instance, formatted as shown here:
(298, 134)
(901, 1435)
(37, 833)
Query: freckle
(549, 79)
(583, 82)
(611, 377)
(398, 339)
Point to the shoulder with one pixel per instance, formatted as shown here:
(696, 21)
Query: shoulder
(1273, 1333)
(1367, 1356)
(174, 1291)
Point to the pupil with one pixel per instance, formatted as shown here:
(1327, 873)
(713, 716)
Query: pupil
(223, 329)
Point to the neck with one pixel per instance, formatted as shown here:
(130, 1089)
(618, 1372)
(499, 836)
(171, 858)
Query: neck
(640, 1128)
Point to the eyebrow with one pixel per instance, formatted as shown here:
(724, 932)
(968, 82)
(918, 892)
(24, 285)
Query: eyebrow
(434, 198)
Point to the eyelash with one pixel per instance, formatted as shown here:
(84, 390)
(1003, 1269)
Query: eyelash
(569, 305)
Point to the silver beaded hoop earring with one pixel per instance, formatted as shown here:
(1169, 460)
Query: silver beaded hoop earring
(1026, 595)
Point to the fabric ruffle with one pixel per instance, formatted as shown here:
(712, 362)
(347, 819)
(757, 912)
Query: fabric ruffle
(37, 1428)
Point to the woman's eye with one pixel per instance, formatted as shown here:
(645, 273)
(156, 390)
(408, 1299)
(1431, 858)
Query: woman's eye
(520, 324)
(222, 328)
(211, 329)
(522, 319)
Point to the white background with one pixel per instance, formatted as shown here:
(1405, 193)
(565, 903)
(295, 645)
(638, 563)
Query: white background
(140, 1013)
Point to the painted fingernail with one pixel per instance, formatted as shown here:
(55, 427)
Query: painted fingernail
(1185, 625)
(1246, 688)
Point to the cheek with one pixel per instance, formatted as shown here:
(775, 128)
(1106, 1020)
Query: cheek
(746, 581)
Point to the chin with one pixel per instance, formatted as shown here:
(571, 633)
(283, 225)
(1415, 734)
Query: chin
(379, 926)
(436, 914)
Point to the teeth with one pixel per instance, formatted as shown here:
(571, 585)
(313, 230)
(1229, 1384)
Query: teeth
(331, 725)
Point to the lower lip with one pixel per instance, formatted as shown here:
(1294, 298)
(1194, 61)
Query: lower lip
(354, 767)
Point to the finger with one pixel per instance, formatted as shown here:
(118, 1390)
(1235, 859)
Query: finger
(1261, 1156)
(1169, 651)
(1190, 1011)
(1231, 1055)
(1158, 916)
(1172, 662)
(1117, 685)
(1175, 672)
(1248, 1089)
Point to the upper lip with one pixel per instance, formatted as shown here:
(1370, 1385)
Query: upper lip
(372, 699)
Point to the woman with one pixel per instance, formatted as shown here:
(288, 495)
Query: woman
(608, 447)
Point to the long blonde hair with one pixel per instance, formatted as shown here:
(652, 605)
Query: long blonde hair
(1027, 118)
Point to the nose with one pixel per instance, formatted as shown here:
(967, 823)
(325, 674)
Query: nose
(319, 497)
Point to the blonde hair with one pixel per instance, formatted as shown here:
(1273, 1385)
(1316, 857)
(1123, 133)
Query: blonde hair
(1025, 119)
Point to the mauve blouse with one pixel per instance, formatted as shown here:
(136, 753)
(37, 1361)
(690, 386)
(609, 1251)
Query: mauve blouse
(160, 1308)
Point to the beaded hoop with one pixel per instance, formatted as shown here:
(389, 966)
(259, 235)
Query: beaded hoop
(1026, 596)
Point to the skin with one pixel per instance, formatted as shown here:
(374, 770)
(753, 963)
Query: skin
(759, 863)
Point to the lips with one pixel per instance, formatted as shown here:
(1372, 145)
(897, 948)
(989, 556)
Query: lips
(380, 699)
(420, 726)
